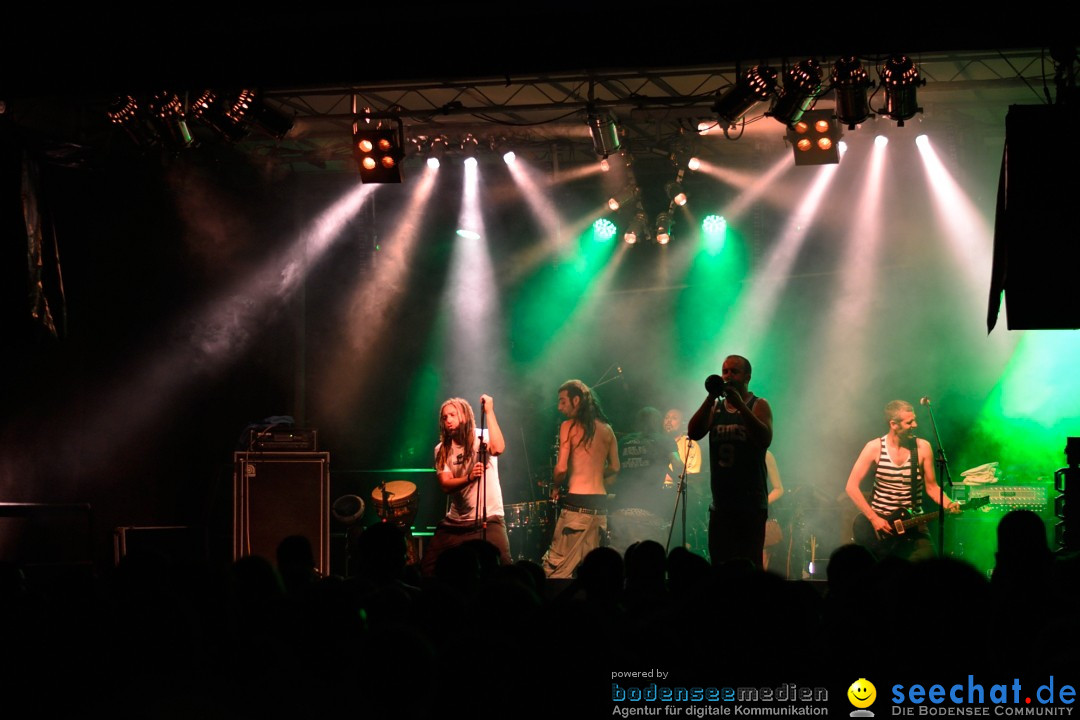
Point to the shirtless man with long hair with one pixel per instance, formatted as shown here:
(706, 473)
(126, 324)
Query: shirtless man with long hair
(588, 462)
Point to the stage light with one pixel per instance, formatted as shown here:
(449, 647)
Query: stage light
(851, 82)
(757, 85)
(605, 166)
(663, 228)
(635, 230)
(604, 229)
(624, 196)
(436, 150)
(211, 109)
(470, 148)
(250, 109)
(124, 112)
(509, 157)
(881, 141)
(900, 80)
(604, 133)
(802, 84)
(714, 225)
(167, 115)
(714, 232)
(378, 152)
(814, 138)
(693, 163)
(676, 193)
(922, 142)
(468, 234)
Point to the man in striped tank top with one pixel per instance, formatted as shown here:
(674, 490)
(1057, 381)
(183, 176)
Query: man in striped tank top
(890, 459)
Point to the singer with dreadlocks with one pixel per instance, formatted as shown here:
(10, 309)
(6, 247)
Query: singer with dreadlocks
(588, 462)
(467, 469)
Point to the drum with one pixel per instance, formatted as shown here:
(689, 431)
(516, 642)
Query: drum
(398, 502)
(529, 527)
(528, 514)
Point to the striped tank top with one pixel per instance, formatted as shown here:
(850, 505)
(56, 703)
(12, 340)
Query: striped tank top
(892, 484)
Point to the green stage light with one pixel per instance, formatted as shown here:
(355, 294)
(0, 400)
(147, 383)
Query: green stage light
(713, 231)
(714, 225)
(603, 230)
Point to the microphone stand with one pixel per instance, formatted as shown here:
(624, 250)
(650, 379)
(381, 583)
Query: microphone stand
(680, 496)
(944, 476)
(481, 492)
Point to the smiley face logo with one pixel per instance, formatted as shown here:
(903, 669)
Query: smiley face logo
(862, 693)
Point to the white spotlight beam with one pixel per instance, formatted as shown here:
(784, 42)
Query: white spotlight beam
(969, 236)
(754, 314)
(372, 305)
(215, 336)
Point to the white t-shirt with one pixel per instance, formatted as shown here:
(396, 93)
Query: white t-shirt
(463, 502)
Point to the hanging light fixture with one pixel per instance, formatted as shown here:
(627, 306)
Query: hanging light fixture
(757, 85)
(802, 85)
(604, 133)
(851, 81)
(900, 80)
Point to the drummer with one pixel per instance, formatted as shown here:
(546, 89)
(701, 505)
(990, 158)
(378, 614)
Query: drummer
(467, 470)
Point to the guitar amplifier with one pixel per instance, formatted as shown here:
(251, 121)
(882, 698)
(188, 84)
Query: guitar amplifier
(1006, 497)
(281, 439)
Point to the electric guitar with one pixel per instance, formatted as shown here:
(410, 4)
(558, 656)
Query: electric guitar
(900, 520)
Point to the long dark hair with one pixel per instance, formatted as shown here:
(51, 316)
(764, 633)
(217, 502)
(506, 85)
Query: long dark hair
(589, 410)
(465, 435)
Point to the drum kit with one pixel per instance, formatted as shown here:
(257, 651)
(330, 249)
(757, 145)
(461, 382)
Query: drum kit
(529, 526)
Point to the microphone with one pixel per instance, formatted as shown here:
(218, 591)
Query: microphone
(715, 385)
(924, 401)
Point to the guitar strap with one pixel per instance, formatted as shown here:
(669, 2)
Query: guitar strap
(916, 485)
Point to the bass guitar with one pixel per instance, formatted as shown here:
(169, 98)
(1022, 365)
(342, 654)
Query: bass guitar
(900, 521)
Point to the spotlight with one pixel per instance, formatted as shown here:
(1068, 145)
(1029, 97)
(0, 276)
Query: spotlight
(802, 84)
(851, 82)
(249, 109)
(604, 133)
(714, 231)
(124, 113)
(676, 193)
(470, 146)
(436, 151)
(636, 229)
(922, 142)
(814, 138)
(900, 78)
(603, 230)
(714, 225)
(755, 86)
(627, 194)
(378, 153)
(211, 110)
(693, 163)
(663, 228)
(502, 147)
(167, 115)
(605, 166)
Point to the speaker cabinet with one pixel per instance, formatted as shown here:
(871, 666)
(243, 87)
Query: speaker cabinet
(276, 495)
(1038, 222)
